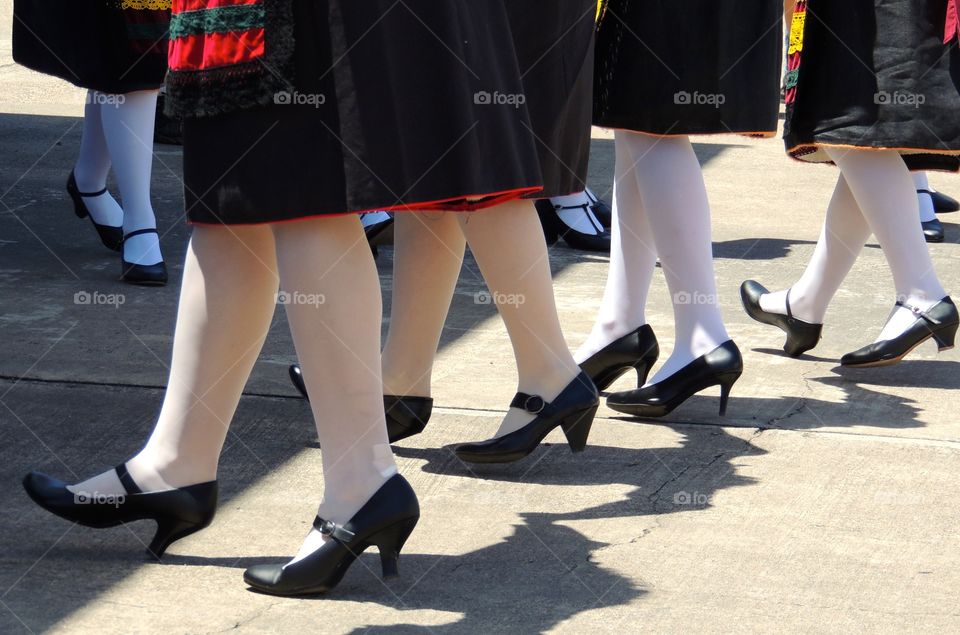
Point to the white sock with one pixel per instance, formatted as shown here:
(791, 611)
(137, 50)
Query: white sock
(93, 165)
(128, 129)
(372, 218)
(632, 262)
(108, 484)
(887, 197)
(671, 185)
(842, 237)
(574, 210)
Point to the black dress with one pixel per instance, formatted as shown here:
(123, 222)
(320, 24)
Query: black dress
(112, 46)
(874, 74)
(669, 67)
(405, 106)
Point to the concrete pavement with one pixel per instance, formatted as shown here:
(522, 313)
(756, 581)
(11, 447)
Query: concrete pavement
(824, 502)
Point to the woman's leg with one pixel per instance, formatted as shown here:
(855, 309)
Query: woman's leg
(334, 309)
(128, 128)
(884, 190)
(844, 233)
(674, 196)
(633, 260)
(427, 257)
(508, 244)
(227, 301)
(93, 166)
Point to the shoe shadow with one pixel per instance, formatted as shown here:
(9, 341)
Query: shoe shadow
(919, 373)
(806, 356)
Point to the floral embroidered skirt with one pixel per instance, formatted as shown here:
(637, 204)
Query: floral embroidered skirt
(693, 67)
(113, 46)
(874, 74)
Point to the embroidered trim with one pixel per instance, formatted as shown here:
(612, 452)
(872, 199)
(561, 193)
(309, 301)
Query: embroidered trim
(220, 20)
(148, 5)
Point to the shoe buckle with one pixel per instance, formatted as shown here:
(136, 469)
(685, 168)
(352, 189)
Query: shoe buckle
(332, 529)
(534, 404)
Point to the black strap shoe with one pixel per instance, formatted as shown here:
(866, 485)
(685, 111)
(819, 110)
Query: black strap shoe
(942, 204)
(722, 366)
(939, 322)
(573, 410)
(801, 336)
(932, 230)
(110, 236)
(154, 275)
(636, 350)
(178, 512)
(554, 229)
(406, 416)
(601, 209)
(386, 521)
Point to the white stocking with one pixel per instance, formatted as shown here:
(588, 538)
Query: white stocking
(93, 166)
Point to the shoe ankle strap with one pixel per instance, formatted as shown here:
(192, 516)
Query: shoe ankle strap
(126, 480)
(332, 529)
(152, 230)
(919, 312)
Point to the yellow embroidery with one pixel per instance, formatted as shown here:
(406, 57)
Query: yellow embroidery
(150, 5)
(796, 31)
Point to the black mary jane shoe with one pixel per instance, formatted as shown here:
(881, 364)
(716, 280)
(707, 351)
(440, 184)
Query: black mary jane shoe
(386, 521)
(601, 209)
(636, 350)
(942, 204)
(555, 229)
(939, 322)
(154, 275)
(932, 230)
(801, 336)
(573, 411)
(406, 416)
(110, 236)
(178, 512)
(722, 366)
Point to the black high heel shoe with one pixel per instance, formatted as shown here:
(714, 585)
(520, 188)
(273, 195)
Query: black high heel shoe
(573, 410)
(801, 336)
(406, 416)
(178, 512)
(940, 322)
(932, 230)
(942, 204)
(110, 236)
(386, 520)
(638, 350)
(722, 366)
(554, 229)
(147, 275)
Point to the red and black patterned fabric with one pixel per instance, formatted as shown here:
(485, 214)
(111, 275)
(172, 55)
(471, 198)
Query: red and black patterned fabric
(113, 46)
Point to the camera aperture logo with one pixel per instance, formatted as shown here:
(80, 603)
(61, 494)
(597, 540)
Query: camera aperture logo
(695, 499)
(99, 498)
(496, 98)
(288, 98)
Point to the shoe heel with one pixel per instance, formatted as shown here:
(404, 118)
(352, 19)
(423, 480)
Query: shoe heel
(169, 530)
(390, 541)
(577, 426)
(643, 368)
(946, 337)
(726, 383)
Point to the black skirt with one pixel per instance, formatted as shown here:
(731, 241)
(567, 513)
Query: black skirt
(455, 105)
(102, 45)
(693, 67)
(874, 74)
